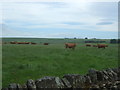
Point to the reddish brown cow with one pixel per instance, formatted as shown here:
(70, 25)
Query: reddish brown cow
(70, 45)
(46, 43)
(13, 42)
(26, 42)
(102, 46)
(20, 42)
(88, 45)
(23, 42)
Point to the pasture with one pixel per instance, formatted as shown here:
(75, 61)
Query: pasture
(23, 62)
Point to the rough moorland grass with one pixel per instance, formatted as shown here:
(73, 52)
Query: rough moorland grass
(23, 62)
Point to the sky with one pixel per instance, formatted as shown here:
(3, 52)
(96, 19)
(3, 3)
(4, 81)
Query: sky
(59, 19)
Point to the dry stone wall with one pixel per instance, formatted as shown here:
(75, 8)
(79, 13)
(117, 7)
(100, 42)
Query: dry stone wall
(108, 79)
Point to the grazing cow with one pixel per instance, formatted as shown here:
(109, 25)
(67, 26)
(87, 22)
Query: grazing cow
(102, 46)
(46, 43)
(23, 42)
(88, 45)
(13, 42)
(20, 42)
(70, 45)
(26, 42)
(95, 46)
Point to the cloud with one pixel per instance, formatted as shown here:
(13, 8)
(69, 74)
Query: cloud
(104, 23)
(41, 13)
(32, 17)
(109, 27)
(73, 23)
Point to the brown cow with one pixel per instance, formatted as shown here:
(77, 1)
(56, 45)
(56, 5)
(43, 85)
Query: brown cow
(23, 42)
(46, 43)
(88, 45)
(102, 46)
(70, 45)
(13, 42)
(26, 42)
(20, 42)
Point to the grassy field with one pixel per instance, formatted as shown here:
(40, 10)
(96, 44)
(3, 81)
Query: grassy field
(23, 62)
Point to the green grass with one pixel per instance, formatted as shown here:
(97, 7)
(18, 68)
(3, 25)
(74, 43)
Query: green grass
(23, 62)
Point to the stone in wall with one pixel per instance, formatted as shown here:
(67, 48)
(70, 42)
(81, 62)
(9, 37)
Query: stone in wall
(87, 81)
(66, 83)
(4, 89)
(24, 87)
(76, 80)
(31, 84)
(49, 82)
(12, 86)
(19, 87)
(15, 86)
(93, 75)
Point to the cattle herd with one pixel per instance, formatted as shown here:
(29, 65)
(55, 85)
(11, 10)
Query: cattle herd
(98, 45)
(73, 45)
(14, 42)
(67, 45)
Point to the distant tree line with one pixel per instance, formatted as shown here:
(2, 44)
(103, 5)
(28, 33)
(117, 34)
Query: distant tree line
(95, 41)
(111, 41)
(115, 41)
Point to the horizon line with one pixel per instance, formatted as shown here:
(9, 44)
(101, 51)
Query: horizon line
(56, 37)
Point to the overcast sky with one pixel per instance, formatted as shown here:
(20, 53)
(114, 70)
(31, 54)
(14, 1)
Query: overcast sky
(60, 19)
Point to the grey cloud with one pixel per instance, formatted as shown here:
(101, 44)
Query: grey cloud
(104, 23)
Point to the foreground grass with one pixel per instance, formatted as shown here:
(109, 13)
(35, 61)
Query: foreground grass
(23, 62)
